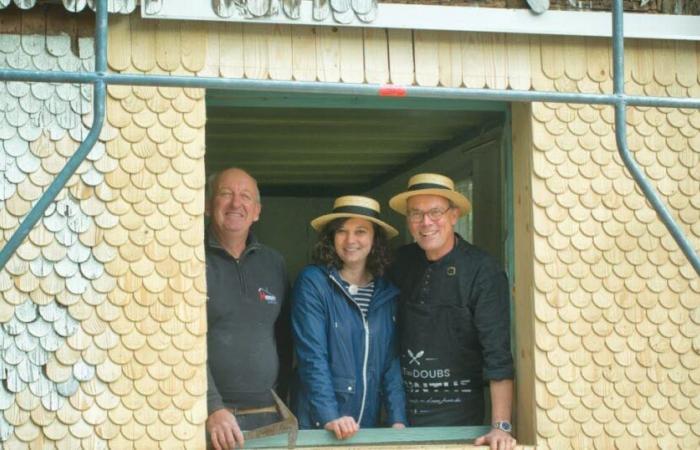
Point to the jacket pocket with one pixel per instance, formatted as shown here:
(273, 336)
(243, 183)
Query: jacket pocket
(344, 388)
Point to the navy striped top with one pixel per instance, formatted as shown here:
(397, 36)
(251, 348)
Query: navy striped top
(361, 294)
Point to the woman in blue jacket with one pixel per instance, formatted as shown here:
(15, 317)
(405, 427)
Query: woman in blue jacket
(344, 323)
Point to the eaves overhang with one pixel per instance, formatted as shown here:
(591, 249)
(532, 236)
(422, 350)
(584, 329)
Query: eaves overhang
(76, 6)
(459, 18)
(400, 16)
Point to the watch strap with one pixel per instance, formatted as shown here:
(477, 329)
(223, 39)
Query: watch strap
(503, 425)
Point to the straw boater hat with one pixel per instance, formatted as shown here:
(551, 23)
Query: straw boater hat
(354, 206)
(430, 184)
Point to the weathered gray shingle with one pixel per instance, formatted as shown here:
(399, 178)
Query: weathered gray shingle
(41, 125)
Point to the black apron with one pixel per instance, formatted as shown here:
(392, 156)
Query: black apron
(441, 358)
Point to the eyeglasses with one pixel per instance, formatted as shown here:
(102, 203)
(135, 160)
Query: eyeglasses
(434, 214)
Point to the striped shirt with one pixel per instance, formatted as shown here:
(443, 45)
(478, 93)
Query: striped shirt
(361, 294)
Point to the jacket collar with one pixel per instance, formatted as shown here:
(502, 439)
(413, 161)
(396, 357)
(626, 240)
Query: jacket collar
(383, 290)
(459, 245)
(251, 243)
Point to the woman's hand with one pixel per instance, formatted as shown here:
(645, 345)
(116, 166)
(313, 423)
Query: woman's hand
(398, 426)
(343, 427)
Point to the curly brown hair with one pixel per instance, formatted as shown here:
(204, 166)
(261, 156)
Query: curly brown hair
(324, 252)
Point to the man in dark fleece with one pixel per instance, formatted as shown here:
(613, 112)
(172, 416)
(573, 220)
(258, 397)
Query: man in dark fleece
(247, 287)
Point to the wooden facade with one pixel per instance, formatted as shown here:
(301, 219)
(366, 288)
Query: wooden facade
(607, 308)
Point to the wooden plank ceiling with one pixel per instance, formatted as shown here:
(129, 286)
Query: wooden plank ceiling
(329, 151)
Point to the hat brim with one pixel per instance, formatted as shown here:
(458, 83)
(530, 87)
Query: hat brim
(321, 221)
(398, 202)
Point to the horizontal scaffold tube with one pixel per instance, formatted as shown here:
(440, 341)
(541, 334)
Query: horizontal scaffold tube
(327, 88)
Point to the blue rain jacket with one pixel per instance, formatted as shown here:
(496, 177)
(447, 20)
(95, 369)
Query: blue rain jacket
(347, 366)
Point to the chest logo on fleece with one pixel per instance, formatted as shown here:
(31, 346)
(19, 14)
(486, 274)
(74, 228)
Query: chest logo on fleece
(264, 295)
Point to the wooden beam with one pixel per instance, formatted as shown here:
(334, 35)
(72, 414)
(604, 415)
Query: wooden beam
(523, 279)
(266, 146)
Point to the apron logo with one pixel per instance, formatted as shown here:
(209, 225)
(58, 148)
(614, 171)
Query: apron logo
(265, 295)
(451, 271)
(414, 358)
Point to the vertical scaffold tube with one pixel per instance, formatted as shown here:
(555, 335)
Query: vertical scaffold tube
(621, 138)
(99, 96)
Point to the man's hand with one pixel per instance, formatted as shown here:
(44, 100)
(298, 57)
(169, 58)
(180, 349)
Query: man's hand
(224, 430)
(497, 440)
(343, 427)
(398, 426)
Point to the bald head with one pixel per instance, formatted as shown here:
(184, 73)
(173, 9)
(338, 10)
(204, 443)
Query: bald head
(233, 205)
(215, 178)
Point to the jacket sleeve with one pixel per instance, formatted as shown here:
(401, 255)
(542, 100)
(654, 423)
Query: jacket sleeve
(214, 400)
(492, 320)
(311, 345)
(392, 384)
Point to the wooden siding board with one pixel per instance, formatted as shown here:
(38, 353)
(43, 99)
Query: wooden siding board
(143, 44)
(640, 62)
(450, 59)
(327, 54)
(376, 55)
(194, 46)
(473, 62)
(518, 62)
(119, 56)
(540, 81)
(168, 44)
(575, 58)
(496, 71)
(231, 50)
(304, 53)
(352, 64)
(598, 59)
(553, 58)
(284, 50)
(212, 55)
(401, 64)
(426, 57)
(255, 51)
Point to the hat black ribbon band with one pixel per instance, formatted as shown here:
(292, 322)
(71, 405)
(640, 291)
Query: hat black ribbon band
(418, 186)
(369, 212)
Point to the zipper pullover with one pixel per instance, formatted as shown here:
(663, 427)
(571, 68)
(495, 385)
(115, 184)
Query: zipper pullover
(245, 300)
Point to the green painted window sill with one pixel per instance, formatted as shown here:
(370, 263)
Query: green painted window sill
(375, 436)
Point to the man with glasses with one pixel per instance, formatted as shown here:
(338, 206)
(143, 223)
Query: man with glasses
(454, 317)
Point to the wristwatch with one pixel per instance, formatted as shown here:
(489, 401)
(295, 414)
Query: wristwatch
(503, 425)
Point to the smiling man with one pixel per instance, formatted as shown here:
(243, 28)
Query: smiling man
(454, 317)
(247, 286)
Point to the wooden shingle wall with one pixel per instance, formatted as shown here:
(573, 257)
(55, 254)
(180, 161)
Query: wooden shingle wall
(56, 372)
(108, 292)
(616, 303)
(102, 343)
(158, 187)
